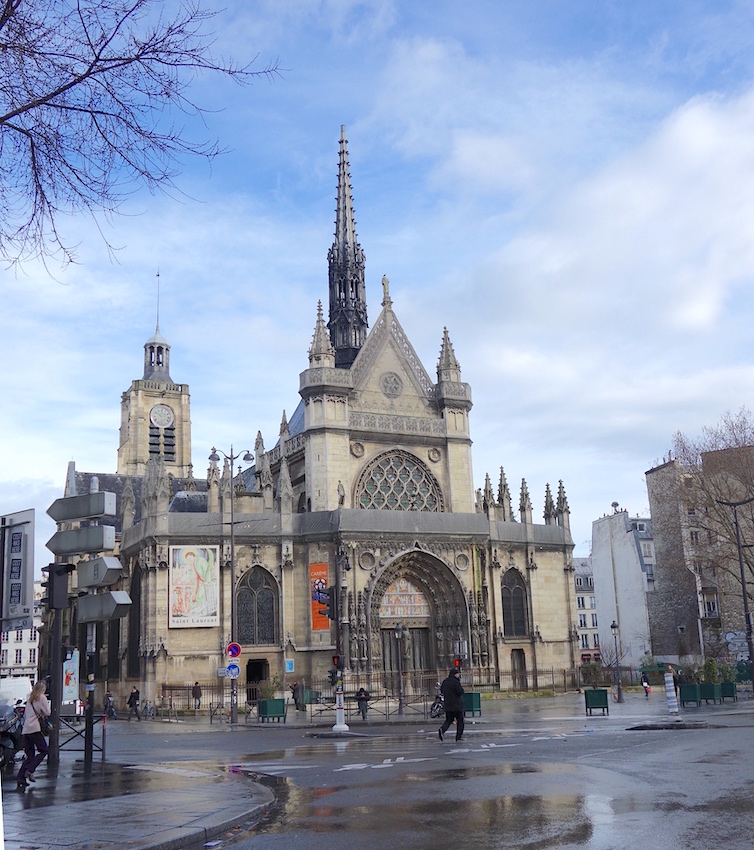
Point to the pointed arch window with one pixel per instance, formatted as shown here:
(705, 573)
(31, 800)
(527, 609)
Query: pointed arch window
(257, 605)
(398, 481)
(515, 619)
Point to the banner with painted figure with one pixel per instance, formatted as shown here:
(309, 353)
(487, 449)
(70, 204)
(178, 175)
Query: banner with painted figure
(193, 587)
(71, 677)
(318, 584)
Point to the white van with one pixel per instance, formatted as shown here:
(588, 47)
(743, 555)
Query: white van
(14, 688)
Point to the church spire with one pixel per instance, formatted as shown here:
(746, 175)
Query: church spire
(321, 352)
(348, 323)
(157, 350)
(157, 358)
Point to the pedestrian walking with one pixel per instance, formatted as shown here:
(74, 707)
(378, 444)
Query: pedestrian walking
(133, 704)
(35, 746)
(196, 693)
(645, 685)
(110, 706)
(452, 692)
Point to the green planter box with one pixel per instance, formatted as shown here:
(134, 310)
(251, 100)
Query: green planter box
(708, 691)
(271, 709)
(728, 691)
(596, 698)
(689, 693)
(472, 702)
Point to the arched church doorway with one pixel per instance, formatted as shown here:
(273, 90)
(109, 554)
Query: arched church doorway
(420, 594)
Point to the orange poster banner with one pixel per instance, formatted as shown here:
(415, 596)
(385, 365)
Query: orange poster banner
(318, 584)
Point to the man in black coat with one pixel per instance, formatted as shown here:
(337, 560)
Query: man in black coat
(452, 693)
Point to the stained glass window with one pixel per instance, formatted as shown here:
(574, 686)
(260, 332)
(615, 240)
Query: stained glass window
(256, 608)
(398, 481)
(514, 605)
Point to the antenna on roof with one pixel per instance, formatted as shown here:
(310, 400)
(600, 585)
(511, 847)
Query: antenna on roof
(158, 298)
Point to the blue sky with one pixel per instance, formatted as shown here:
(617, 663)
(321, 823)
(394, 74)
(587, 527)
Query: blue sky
(567, 186)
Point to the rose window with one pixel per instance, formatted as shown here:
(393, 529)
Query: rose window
(398, 481)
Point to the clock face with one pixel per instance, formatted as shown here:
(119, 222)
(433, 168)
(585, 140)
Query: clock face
(161, 416)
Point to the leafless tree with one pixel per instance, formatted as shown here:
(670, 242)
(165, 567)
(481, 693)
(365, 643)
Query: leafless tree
(716, 468)
(90, 96)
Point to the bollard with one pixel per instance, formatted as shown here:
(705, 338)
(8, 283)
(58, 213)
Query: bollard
(670, 694)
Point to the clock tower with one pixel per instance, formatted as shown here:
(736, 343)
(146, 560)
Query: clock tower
(155, 418)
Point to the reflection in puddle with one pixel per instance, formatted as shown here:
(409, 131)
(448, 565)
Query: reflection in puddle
(390, 814)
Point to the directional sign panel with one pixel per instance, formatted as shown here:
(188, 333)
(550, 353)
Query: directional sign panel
(232, 671)
(99, 572)
(77, 541)
(71, 508)
(102, 606)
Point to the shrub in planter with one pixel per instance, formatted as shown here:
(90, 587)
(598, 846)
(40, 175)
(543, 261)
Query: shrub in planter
(711, 675)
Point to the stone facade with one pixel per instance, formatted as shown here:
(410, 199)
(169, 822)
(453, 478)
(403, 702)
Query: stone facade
(368, 489)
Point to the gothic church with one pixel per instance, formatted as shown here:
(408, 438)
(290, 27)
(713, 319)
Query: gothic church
(367, 489)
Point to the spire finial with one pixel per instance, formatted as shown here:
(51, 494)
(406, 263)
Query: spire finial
(347, 323)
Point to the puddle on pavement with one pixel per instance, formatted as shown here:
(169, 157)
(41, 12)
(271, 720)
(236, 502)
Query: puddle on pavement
(524, 821)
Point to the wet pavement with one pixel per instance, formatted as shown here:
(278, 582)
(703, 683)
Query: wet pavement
(169, 785)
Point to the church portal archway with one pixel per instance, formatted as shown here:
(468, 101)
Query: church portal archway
(419, 592)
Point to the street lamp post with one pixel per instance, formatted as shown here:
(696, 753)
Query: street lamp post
(398, 631)
(618, 683)
(747, 611)
(231, 458)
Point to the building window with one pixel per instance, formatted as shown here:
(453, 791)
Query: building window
(398, 481)
(694, 537)
(639, 526)
(4, 657)
(19, 635)
(33, 655)
(257, 608)
(582, 621)
(580, 602)
(514, 605)
(579, 581)
(596, 641)
(594, 621)
(592, 602)
(34, 636)
(709, 603)
(585, 641)
(18, 656)
(6, 637)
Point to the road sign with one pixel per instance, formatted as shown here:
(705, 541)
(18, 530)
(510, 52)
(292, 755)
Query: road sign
(103, 606)
(99, 572)
(71, 508)
(234, 650)
(94, 538)
(232, 671)
(17, 563)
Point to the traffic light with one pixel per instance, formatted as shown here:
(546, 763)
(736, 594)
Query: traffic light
(336, 662)
(56, 598)
(332, 597)
(456, 663)
(332, 676)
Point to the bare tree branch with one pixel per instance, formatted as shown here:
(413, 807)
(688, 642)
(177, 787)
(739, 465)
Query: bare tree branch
(89, 94)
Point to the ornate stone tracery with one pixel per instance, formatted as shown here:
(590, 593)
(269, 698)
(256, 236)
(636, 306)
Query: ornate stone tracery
(398, 481)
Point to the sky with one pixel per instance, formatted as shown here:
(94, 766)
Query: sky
(568, 187)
